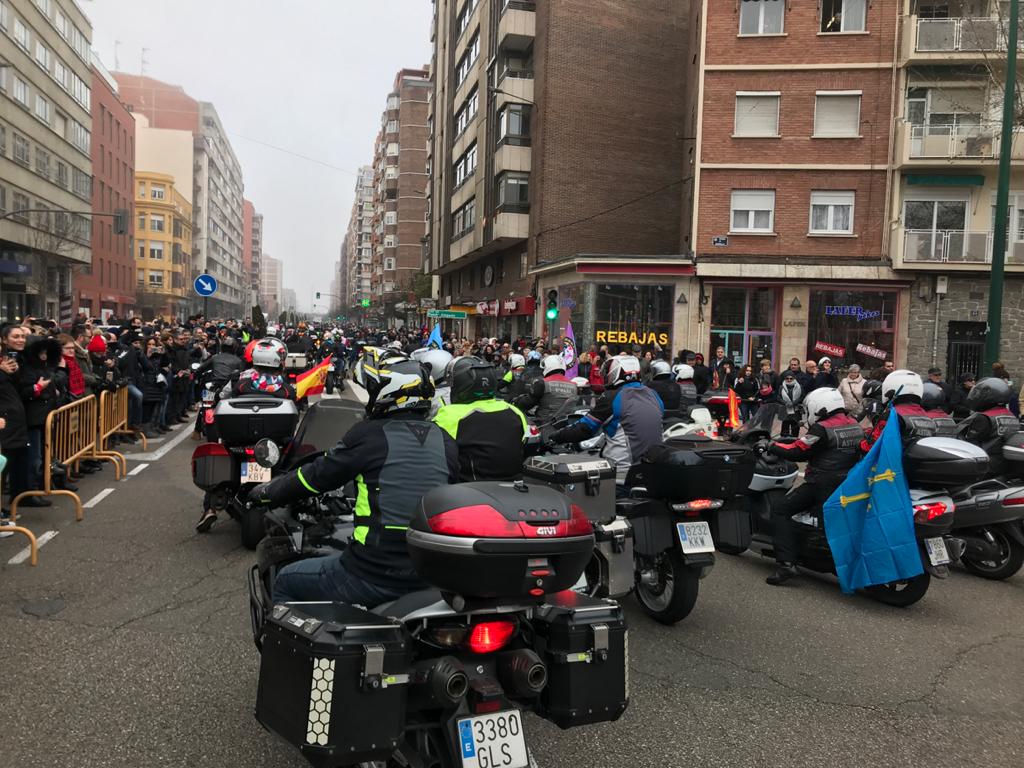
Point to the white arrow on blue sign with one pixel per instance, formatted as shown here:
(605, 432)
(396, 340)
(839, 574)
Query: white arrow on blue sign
(205, 285)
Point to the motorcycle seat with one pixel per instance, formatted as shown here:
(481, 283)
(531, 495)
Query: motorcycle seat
(406, 604)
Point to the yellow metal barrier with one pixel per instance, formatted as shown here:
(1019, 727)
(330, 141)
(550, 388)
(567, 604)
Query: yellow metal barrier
(33, 547)
(109, 423)
(117, 402)
(70, 435)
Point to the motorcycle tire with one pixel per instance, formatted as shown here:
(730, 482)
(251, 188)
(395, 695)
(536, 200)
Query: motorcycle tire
(674, 598)
(253, 527)
(729, 549)
(901, 593)
(1011, 560)
(329, 385)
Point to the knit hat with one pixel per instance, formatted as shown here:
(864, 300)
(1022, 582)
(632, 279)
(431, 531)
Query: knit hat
(97, 345)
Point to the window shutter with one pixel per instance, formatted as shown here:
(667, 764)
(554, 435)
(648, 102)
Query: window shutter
(757, 115)
(753, 200)
(837, 115)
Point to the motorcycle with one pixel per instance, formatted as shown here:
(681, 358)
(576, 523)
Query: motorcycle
(443, 676)
(691, 420)
(252, 430)
(749, 524)
(335, 375)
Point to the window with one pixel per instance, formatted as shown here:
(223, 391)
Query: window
(3, 200)
(19, 202)
(467, 112)
(21, 91)
(837, 114)
(3, 141)
(467, 60)
(465, 166)
(142, 221)
(44, 6)
(3, 16)
(390, 241)
(513, 191)
(389, 264)
(757, 114)
(391, 217)
(42, 109)
(79, 43)
(142, 189)
(80, 136)
(21, 150)
(157, 191)
(63, 25)
(831, 213)
(462, 20)
(843, 15)
(80, 91)
(20, 34)
(156, 250)
(762, 17)
(42, 162)
(394, 101)
(392, 149)
(514, 125)
(753, 210)
(62, 175)
(142, 245)
(60, 74)
(156, 223)
(42, 55)
(81, 184)
(463, 220)
(392, 126)
(156, 279)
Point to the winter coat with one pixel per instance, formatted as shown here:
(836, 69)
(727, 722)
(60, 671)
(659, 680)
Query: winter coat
(790, 395)
(746, 389)
(92, 381)
(40, 402)
(12, 408)
(852, 392)
(823, 379)
(154, 378)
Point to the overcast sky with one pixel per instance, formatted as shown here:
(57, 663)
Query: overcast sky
(308, 76)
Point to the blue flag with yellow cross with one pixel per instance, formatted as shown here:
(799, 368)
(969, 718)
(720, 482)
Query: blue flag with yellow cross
(869, 519)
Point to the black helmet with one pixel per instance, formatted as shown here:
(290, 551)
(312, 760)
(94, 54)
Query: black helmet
(989, 393)
(872, 390)
(471, 379)
(934, 396)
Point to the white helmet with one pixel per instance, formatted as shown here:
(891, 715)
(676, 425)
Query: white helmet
(821, 403)
(660, 368)
(269, 353)
(620, 370)
(515, 362)
(553, 364)
(683, 372)
(902, 383)
(437, 362)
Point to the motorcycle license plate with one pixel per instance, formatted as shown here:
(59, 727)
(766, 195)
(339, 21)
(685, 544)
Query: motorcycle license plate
(254, 473)
(937, 553)
(695, 537)
(208, 396)
(493, 741)
(331, 367)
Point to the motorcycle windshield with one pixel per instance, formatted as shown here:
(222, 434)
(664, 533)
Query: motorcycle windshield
(322, 427)
(761, 421)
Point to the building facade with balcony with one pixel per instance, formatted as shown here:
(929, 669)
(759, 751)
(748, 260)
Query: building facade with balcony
(548, 143)
(45, 155)
(357, 246)
(163, 247)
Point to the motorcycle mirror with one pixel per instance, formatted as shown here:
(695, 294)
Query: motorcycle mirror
(195, 366)
(266, 453)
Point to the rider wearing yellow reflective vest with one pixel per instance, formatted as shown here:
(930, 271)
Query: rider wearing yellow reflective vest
(489, 432)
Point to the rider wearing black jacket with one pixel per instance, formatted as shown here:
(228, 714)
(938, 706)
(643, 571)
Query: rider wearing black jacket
(395, 456)
(662, 383)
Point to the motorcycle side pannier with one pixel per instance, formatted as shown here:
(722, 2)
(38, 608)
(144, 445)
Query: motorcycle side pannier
(693, 467)
(212, 466)
(247, 420)
(333, 682)
(584, 643)
(943, 462)
(493, 539)
(587, 480)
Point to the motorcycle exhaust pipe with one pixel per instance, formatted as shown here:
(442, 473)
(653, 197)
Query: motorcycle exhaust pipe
(522, 672)
(437, 683)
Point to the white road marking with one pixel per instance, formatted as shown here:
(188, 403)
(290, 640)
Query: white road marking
(138, 469)
(26, 553)
(97, 498)
(163, 450)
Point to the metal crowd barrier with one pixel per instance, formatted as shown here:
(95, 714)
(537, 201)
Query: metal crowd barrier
(114, 418)
(33, 547)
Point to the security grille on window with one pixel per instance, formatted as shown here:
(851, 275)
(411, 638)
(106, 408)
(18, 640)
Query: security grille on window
(753, 210)
(757, 113)
(513, 191)
(843, 15)
(837, 114)
(514, 124)
(762, 17)
(832, 213)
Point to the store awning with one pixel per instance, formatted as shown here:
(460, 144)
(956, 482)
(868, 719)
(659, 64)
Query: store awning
(945, 180)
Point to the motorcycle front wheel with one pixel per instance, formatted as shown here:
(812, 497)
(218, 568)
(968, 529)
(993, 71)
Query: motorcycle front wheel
(671, 595)
(901, 593)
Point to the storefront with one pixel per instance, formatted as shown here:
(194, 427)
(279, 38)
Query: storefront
(854, 326)
(744, 321)
(515, 317)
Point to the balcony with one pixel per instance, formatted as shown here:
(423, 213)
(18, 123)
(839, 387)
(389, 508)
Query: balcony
(957, 144)
(955, 39)
(955, 247)
(517, 26)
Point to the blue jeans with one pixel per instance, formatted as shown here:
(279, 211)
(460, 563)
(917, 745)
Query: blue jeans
(134, 406)
(325, 578)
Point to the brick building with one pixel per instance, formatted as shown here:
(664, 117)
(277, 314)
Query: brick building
(252, 249)
(108, 286)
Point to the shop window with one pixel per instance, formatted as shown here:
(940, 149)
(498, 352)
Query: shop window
(757, 114)
(852, 327)
(625, 315)
(762, 17)
(753, 210)
(831, 213)
(843, 15)
(743, 322)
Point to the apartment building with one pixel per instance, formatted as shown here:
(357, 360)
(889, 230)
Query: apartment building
(400, 190)
(252, 250)
(107, 287)
(271, 288)
(357, 247)
(217, 185)
(163, 243)
(45, 154)
(557, 161)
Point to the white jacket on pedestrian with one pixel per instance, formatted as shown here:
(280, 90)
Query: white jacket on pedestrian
(852, 391)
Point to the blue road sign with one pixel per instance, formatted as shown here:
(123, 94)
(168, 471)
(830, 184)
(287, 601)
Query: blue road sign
(205, 285)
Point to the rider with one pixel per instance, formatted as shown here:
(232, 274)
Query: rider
(935, 403)
(552, 395)
(992, 422)
(830, 448)
(664, 386)
(905, 389)
(489, 432)
(266, 377)
(395, 456)
(222, 367)
(629, 413)
(437, 362)
(688, 395)
(511, 384)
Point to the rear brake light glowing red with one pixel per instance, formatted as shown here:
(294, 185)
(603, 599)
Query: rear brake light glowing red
(1014, 502)
(479, 520)
(209, 449)
(924, 513)
(578, 524)
(490, 636)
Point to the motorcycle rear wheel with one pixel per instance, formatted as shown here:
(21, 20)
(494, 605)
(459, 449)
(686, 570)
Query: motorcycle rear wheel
(672, 599)
(901, 593)
(1010, 560)
(729, 549)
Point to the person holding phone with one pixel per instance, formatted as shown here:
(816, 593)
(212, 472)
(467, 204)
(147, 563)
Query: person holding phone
(14, 432)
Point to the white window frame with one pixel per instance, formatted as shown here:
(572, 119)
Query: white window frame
(390, 241)
(61, 74)
(43, 60)
(156, 250)
(157, 192)
(777, 95)
(750, 229)
(156, 278)
(22, 87)
(43, 110)
(157, 222)
(21, 34)
(832, 199)
(842, 29)
(838, 94)
(391, 218)
(760, 20)
(392, 127)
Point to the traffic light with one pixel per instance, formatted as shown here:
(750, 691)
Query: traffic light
(552, 311)
(365, 303)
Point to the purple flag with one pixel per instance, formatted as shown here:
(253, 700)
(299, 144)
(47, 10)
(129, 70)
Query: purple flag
(569, 356)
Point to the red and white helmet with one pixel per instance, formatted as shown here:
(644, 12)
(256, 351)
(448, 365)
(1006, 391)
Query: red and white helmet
(269, 353)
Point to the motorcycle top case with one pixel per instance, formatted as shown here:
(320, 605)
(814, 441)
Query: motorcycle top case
(693, 467)
(248, 419)
(333, 681)
(499, 540)
(584, 643)
(296, 361)
(587, 480)
(943, 462)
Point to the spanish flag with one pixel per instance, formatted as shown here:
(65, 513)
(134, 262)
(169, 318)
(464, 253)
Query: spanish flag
(734, 409)
(312, 381)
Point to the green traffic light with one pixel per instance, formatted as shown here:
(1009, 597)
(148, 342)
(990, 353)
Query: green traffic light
(552, 314)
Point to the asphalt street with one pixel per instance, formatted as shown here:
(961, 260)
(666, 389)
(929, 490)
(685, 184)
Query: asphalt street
(129, 646)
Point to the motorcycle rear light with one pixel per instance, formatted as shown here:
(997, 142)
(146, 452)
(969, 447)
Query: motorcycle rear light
(485, 707)
(1016, 501)
(490, 636)
(579, 524)
(924, 513)
(697, 506)
(479, 520)
(209, 449)
(250, 451)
